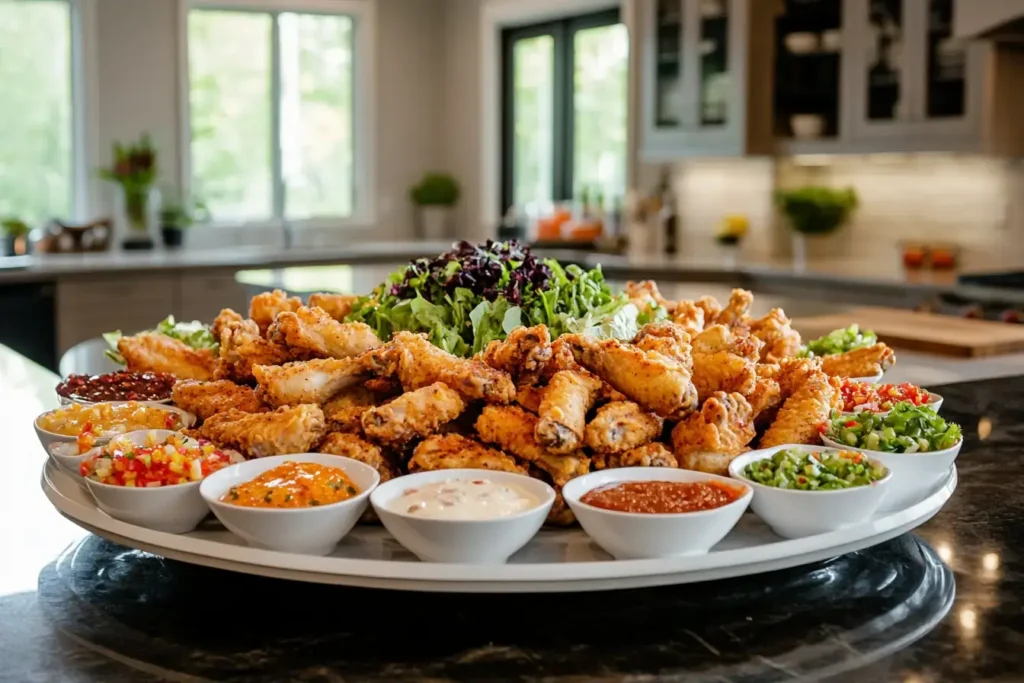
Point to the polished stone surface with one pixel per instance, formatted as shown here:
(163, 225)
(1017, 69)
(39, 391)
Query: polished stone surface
(943, 604)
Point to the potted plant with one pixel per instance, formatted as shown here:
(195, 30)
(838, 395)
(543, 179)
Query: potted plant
(814, 211)
(731, 231)
(134, 170)
(434, 197)
(176, 217)
(15, 233)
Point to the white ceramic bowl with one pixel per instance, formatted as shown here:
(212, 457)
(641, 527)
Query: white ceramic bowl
(795, 514)
(630, 535)
(66, 455)
(48, 438)
(309, 530)
(873, 379)
(175, 509)
(486, 541)
(914, 474)
(65, 401)
(801, 43)
(935, 403)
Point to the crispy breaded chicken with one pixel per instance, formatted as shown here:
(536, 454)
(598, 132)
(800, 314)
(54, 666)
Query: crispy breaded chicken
(562, 468)
(735, 312)
(865, 362)
(654, 454)
(313, 332)
(154, 352)
(522, 355)
(803, 413)
(690, 317)
(293, 429)
(337, 305)
(793, 372)
(765, 397)
(263, 308)
(529, 397)
(345, 410)
(645, 295)
(241, 347)
(512, 429)
(655, 381)
(227, 317)
(779, 337)
(413, 414)
(707, 441)
(454, 451)
(312, 381)
(561, 359)
(725, 362)
(712, 309)
(206, 399)
(563, 410)
(620, 426)
(667, 339)
(420, 363)
(358, 448)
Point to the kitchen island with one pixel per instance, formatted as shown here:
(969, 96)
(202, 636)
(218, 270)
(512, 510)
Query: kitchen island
(942, 604)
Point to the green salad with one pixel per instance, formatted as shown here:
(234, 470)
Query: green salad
(906, 428)
(839, 341)
(195, 334)
(819, 471)
(473, 294)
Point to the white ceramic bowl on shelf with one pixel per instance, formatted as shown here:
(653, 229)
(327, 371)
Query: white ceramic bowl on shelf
(47, 438)
(306, 530)
(628, 535)
(479, 541)
(793, 513)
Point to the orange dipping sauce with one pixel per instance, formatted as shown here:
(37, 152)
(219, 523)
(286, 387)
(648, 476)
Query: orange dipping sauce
(294, 485)
(663, 497)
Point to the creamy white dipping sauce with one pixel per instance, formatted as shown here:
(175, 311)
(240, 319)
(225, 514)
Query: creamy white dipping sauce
(464, 499)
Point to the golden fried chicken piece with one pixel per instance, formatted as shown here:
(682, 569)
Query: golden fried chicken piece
(620, 426)
(264, 308)
(561, 359)
(420, 364)
(311, 331)
(454, 451)
(654, 454)
(154, 352)
(655, 381)
(311, 381)
(765, 396)
(645, 295)
(337, 305)
(529, 397)
(690, 317)
(226, 318)
(707, 441)
(779, 337)
(206, 399)
(561, 514)
(562, 468)
(241, 347)
(414, 413)
(865, 362)
(512, 429)
(522, 355)
(294, 429)
(712, 309)
(793, 372)
(735, 312)
(725, 362)
(667, 339)
(358, 448)
(563, 409)
(344, 412)
(802, 414)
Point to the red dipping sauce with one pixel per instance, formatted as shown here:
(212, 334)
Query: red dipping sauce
(122, 385)
(663, 497)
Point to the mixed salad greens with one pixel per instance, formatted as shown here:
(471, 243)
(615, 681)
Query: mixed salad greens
(819, 471)
(471, 295)
(195, 334)
(839, 341)
(906, 428)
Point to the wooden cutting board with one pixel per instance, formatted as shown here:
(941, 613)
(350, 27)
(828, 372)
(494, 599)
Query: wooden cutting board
(928, 332)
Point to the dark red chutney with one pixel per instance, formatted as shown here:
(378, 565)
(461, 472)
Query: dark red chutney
(122, 385)
(663, 497)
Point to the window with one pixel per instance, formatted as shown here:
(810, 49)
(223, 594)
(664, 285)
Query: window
(273, 115)
(37, 162)
(564, 109)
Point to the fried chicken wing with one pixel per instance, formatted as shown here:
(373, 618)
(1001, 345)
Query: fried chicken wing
(226, 318)
(735, 312)
(241, 347)
(313, 332)
(413, 414)
(645, 295)
(655, 381)
(654, 454)
(154, 352)
(523, 355)
(793, 372)
(803, 413)
(712, 309)
(294, 429)
(707, 441)
(420, 364)
(561, 359)
(529, 397)
(865, 362)
(264, 308)
(561, 514)
(725, 362)
(206, 399)
(511, 429)
(667, 339)
(454, 451)
(337, 305)
(358, 448)
(690, 317)
(765, 397)
(620, 426)
(563, 410)
(344, 412)
(779, 337)
(311, 381)
(562, 468)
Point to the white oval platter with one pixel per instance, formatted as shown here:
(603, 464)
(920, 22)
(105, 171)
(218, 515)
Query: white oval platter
(554, 561)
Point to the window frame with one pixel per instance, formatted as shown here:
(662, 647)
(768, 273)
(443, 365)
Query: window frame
(563, 138)
(363, 14)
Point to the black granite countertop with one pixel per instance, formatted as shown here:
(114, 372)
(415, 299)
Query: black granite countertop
(941, 604)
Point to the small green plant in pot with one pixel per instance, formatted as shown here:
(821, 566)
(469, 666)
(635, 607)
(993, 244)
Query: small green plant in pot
(434, 197)
(14, 231)
(177, 217)
(814, 211)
